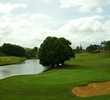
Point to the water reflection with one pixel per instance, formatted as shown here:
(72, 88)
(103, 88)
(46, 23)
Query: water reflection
(28, 67)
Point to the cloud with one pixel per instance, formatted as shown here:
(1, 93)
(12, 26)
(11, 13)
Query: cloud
(46, 1)
(83, 24)
(22, 29)
(99, 10)
(19, 5)
(86, 30)
(84, 5)
(30, 29)
(8, 7)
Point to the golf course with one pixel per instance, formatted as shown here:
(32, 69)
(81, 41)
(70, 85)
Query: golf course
(57, 83)
(7, 60)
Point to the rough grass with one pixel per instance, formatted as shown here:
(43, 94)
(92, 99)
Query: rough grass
(6, 60)
(57, 84)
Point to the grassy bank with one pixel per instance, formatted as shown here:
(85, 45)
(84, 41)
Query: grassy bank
(7, 60)
(57, 84)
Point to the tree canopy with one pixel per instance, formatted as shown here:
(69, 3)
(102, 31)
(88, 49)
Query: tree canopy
(105, 45)
(93, 48)
(55, 51)
(31, 52)
(79, 49)
(13, 50)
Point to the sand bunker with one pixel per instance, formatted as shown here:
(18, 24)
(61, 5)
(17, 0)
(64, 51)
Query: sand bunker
(92, 89)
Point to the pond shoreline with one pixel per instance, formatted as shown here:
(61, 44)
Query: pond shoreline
(12, 63)
(29, 66)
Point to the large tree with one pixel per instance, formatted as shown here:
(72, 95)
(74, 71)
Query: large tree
(55, 51)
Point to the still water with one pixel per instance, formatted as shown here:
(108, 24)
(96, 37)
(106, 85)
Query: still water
(27, 67)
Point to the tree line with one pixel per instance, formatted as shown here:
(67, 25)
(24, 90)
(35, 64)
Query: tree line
(53, 51)
(16, 50)
(103, 47)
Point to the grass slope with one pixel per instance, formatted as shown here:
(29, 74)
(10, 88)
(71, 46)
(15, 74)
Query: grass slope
(57, 84)
(6, 60)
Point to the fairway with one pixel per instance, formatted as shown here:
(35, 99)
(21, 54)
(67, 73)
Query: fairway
(57, 83)
(7, 60)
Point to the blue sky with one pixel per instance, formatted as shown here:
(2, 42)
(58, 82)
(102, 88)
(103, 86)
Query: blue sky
(29, 22)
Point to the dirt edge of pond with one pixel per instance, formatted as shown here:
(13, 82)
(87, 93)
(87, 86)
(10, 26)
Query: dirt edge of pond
(92, 89)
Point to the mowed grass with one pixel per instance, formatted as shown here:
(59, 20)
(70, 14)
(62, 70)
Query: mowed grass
(6, 60)
(57, 84)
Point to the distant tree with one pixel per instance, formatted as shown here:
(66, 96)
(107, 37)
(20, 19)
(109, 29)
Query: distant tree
(31, 53)
(35, 51)
(55, 51)
(35, 48)
(79, 49)
(93, 48)
(13, 50)
(108, 45)
(0, 49)
(105, 45)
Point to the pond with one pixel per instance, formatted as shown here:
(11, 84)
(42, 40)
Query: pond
(27, 67)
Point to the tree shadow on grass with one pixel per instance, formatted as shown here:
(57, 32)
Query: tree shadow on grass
(66, 66)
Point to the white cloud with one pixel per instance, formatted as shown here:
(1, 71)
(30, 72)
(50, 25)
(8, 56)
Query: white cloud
(30, 29)
(99, 10)
(8, 7)
(22, 29)
(86, 30)
(19, 5)
(84, 5)
(46, 1)
(83, 24)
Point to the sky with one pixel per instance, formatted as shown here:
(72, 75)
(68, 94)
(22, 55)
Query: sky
(28, 22)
